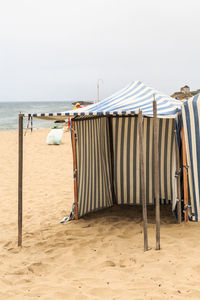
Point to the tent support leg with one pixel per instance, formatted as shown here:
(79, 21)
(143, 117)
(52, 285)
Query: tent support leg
(185, 178)
(156, 173)
(20, 178)
(31, 124)
(75, 170)
(144, 205)
(112, 158)
(179, 212)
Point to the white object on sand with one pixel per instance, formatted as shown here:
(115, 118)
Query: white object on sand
(55, 136)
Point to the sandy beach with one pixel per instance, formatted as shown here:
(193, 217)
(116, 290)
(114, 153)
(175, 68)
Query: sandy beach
(97, 257)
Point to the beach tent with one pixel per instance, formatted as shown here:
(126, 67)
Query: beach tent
(191, 124)
(106, 148)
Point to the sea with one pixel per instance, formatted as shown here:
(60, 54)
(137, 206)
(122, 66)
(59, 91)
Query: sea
(9, 112)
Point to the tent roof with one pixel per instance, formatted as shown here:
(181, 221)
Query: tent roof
(128, 101)
(194, 99)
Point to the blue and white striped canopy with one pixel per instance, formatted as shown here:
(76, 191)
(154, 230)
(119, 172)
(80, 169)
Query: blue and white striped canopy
(128, 101)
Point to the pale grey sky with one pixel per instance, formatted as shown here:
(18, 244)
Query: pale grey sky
(57, 49)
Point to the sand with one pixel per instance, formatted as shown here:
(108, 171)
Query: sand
(97, 257)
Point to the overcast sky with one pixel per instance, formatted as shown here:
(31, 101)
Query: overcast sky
(58, 49)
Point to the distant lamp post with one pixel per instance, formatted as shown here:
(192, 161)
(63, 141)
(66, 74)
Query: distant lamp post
(98, 81)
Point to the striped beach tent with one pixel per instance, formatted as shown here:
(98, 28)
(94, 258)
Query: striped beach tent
(107, 148)
(128, 101)
(191, 124)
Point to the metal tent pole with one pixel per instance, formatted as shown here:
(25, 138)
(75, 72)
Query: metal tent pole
(75, 170)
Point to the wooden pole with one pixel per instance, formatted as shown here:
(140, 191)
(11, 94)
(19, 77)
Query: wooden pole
(75, 170)
(156, 173)
(20, 179)
(143, 194)
(31, 124)
(185, 177)
(179, 213)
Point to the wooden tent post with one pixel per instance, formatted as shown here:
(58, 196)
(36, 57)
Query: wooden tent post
(31, 124)
(156, 173)
(20, 179)
(75, 170)
(185, 177)
(179, 213)
(144, 205)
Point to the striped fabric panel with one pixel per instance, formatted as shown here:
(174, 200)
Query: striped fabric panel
(191, 115)
(93, 165)
(126, 154)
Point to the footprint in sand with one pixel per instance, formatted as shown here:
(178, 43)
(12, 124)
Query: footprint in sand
(40, 244)
(14, 250)
(19, 272)
(38, 268)
(7, 244)
(86, 226)
(108, 263)
(122, 264)
(51, 250)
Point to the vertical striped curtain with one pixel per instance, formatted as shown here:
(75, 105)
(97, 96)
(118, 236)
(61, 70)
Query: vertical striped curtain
(100, 181)
(191, 124)
(93, 165)
(126, 159)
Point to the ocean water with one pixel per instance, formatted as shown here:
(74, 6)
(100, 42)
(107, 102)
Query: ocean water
(9, 113)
